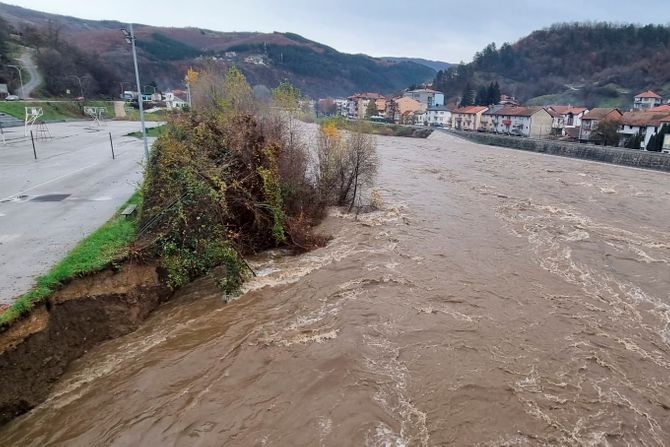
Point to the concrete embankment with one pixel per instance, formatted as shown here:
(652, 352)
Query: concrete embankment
(36, 351)
(627, 157)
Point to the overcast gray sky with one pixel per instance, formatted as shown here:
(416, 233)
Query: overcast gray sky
(445, 30)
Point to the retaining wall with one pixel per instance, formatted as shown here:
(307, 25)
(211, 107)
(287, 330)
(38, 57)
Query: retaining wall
(606, 154)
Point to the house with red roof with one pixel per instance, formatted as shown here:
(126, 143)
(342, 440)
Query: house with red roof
(467, 118)
(645, 123)
(647, 100)
(357, 104)
(567, 119)
(590, 121)
(532, 122)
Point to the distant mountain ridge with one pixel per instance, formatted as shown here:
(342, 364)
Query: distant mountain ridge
(435, 65)
(266, 58)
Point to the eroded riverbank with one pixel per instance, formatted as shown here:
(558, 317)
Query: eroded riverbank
(502, 298)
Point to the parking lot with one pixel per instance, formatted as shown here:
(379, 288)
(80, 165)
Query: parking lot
(49, 204)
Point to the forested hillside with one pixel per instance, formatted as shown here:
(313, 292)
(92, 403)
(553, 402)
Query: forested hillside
(96, 51)
(592, 63)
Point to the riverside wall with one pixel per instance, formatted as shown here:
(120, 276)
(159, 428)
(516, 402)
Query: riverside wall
(606, 154)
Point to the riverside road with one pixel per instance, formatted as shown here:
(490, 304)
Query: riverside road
(49, 204)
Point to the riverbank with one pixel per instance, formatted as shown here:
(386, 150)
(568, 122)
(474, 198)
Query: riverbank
(606, 154)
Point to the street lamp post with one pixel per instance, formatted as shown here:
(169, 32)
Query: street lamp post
(130, 38)
(18, 68)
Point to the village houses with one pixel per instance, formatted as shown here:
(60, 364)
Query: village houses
(534, 122)
(567, 120)
(587, 132)
(428, 97)
(467, 118)
(645, 123)
(357, 105)
(647, 100)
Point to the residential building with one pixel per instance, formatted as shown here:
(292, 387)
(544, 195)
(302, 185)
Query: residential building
(341, 106)
(4, 91)
(490, 121)
(647, 100)
(173, 101)
(592, 118)
(358, 104)
(403, 109)
(506, 100)
(467, 118)
(666, 140)
(255, 59)
(438, 116)
(641, 122)
(534, 122)
(428, 97)
(567, 120)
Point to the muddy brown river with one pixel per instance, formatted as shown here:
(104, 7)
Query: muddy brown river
(501, 298)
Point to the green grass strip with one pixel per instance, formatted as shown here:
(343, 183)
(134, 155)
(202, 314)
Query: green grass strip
(105, 245)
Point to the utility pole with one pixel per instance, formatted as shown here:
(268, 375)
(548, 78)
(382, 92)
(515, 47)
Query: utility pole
(18, 68)
(130, 38)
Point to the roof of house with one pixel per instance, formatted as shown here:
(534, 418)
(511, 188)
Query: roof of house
(648, 94)
(663, 108)
(564, 110)
(599, 113)
(493, 109)
(427, 90)
(643, 118)
(517, 111)
(471, 110)
(439, 109)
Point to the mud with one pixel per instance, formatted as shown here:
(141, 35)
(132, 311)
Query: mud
(501, 298)
(36, 351)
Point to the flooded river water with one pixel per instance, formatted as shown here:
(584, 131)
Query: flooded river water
(502, 298)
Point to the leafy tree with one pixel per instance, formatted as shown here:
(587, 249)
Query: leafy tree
(287, 96)
(327, 106)
(607, 132)
(371, 109)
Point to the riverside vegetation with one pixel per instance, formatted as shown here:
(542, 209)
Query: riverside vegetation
(230, 178)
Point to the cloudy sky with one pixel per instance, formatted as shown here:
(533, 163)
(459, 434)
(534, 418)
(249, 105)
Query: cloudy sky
(444, 30)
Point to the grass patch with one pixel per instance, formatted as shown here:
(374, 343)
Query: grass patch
(102, 247)
(156, 131)
(133, 114)
(55, 110)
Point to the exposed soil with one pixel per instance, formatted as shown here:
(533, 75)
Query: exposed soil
(36, 351)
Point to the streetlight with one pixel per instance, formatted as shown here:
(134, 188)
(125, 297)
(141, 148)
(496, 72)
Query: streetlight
(18, 68)
(130, 38)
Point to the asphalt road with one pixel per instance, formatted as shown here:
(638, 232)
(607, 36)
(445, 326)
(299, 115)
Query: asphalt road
(28, 64)
(49, 204)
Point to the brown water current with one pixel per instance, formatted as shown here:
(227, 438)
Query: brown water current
(501, 298)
